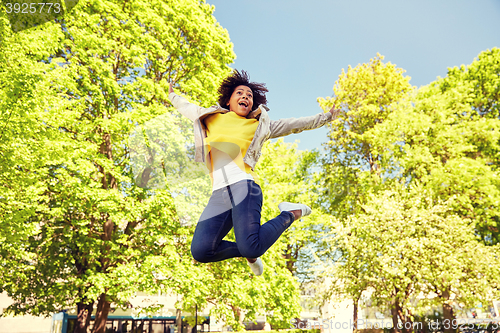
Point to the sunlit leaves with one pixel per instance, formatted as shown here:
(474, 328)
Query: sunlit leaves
(78, 226)
(435, 147)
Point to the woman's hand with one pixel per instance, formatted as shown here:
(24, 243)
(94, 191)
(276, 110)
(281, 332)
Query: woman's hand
(335, 112)
(170, 88)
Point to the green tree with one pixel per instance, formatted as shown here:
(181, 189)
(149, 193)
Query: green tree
(354, 165)
(441, 142)
(366, 94)
(448, 141)
(403, 246)
(445, 143)
(478, 83)
(74, 89)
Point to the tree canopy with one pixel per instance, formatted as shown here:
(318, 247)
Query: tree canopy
(77, 229)
(437, 145)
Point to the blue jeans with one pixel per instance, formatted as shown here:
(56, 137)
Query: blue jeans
(236, 206)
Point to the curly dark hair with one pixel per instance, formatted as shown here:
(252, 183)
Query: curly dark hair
(236, 79)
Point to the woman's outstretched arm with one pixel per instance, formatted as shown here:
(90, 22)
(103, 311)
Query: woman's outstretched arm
(189, 110)
(287, 126)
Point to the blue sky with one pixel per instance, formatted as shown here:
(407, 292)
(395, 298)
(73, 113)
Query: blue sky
(299, 48)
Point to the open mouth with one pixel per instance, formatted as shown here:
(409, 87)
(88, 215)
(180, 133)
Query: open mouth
(243, 103)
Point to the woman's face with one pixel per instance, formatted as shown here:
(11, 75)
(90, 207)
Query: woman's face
(241, 101)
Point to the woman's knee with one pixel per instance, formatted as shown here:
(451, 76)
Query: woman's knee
(200, 254)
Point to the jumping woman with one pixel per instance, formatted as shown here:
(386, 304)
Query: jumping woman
(228, 139)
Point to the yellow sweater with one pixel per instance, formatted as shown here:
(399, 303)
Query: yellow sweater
(231, 134)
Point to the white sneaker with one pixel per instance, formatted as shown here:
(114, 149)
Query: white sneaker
(257, 266)
(288, 206)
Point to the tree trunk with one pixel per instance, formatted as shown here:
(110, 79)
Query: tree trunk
(288, 258)
(238, 315)
(448, 315)
(103, 305)
(178, 319)
(84, 312)
(395, 321)
(355, 314)
(101, 315)
(406, 322)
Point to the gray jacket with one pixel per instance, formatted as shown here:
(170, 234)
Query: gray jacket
(267, 128)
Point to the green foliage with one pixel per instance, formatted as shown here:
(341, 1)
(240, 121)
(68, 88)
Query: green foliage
(76, 228)
(446, 143)
(354, 165)
(287, 174)
(404, 246)
(365, 93)
(26, 14)
(413, 182)
(478, 84)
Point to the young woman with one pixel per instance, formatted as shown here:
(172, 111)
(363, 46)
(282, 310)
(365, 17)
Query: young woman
(228, 139)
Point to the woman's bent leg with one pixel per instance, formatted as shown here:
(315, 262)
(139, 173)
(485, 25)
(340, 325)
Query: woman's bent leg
(254, 239)
(214, 223)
